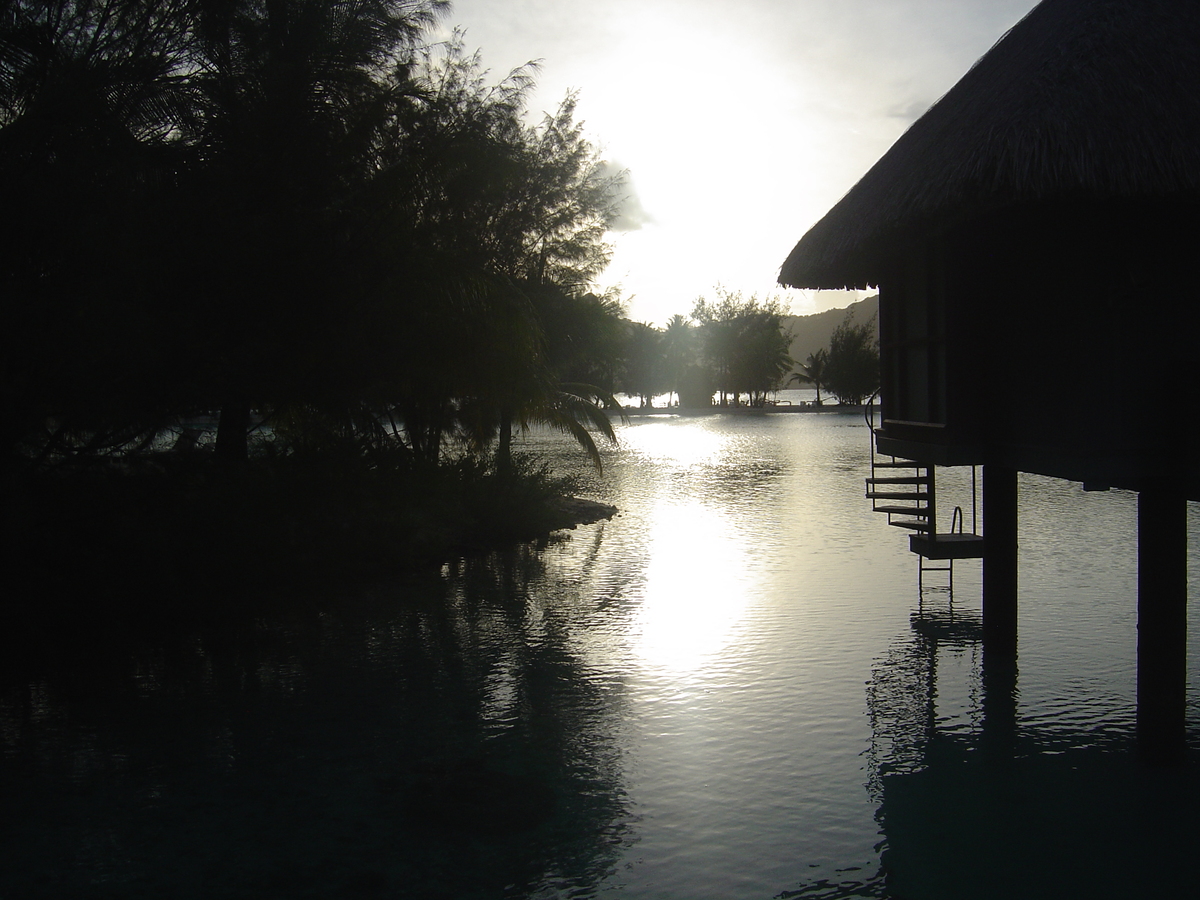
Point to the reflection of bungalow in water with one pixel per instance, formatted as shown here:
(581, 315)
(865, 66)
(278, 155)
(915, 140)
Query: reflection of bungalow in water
(971, 808)
(1033, 237)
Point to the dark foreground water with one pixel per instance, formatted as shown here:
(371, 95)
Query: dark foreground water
(732, 690)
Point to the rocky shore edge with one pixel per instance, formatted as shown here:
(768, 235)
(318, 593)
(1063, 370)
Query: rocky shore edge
(571, 512)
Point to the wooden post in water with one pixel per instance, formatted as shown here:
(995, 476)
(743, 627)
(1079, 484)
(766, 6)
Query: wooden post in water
(1162, 622)
(1000, 560)
(999, 737)
(999, 612)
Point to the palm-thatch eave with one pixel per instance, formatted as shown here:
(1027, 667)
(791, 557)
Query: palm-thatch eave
(1087, 99)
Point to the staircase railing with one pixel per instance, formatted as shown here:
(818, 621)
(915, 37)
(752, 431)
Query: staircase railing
(918, 491)
(869, 415)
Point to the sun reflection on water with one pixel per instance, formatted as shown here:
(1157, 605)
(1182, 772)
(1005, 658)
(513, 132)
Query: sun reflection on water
(696, 587)
(684, 443)
(695, 590)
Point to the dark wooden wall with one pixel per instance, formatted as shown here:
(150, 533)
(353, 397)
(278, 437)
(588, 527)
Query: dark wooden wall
(1059, 339)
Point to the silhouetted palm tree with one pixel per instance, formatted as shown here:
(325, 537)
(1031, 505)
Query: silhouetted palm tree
(813, 371)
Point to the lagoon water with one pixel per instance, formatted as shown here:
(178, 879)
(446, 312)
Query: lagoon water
(733, 689)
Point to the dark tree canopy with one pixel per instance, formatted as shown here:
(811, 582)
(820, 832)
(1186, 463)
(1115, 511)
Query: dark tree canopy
(745, 344)
(644, 372)
(852, 364)
(296, 211)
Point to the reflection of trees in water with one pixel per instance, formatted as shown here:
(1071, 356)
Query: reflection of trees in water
(436, 738)
(537, 791)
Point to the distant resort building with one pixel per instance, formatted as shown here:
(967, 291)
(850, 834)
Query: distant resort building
(1034, 238)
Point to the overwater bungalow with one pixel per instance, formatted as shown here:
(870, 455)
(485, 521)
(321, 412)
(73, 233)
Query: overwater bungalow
(1033, 238)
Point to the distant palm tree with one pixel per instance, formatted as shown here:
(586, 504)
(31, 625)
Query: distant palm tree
(679, 350)
(813, 371)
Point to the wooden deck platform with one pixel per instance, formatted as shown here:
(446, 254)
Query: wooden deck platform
(947, 546)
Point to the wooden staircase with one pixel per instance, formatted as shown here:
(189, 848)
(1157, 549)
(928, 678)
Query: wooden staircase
(905, 490)
(908, 500)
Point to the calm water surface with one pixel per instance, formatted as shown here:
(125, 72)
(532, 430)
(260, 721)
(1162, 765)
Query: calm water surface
(734, 689)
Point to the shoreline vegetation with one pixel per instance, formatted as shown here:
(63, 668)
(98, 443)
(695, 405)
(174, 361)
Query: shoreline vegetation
(189, 538)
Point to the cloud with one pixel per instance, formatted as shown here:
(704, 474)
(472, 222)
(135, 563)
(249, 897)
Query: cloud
(909, 112)
(633, 215)
(743, 124)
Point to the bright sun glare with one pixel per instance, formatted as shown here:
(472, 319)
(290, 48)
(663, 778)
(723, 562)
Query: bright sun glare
(695, 592)
(686, 445)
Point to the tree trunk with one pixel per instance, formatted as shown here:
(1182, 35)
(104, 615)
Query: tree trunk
(504, 445)
(233, 429)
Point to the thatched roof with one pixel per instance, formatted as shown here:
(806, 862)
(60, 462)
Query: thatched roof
(1082, 99)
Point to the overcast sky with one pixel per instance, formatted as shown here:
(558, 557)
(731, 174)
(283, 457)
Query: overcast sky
(741, 122)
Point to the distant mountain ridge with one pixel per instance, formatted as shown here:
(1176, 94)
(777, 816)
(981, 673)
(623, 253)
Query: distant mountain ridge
(812, 333)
